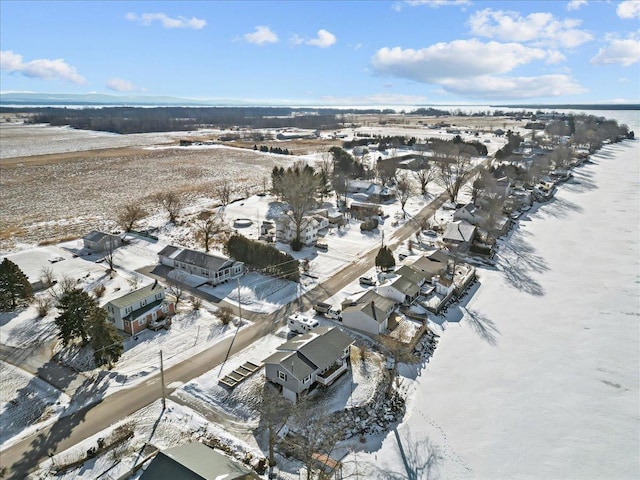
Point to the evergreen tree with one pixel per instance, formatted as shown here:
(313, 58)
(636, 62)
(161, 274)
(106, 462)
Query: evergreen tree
(15, 288)
(384, 259)
(105, 339)
(76, 307)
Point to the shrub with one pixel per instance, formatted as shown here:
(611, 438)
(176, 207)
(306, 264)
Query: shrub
(99, 290)
(196, 303)
(43, 304)
(369, 225)
(225, 315)
(296, 244)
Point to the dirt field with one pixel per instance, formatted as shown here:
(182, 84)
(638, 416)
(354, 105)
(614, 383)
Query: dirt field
(63, 195)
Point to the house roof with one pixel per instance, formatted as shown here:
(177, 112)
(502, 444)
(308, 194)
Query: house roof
(96, 236)
(439, 256)
(321, 346)
(373, 305)
(143, 310)
(460, 231)
(168, 251)
(203, 260)
(137, 295)
(194, 461)
(429, 266)
(406, 286)
(411, 273)
(294, 362)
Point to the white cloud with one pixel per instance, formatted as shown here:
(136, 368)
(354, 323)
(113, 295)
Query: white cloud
(537, 28)
(457, 59)
(576, 4)
(628, 9)
(323, 40)
(554, 56)
(261, 36)
(492, 87)
(42, 68)
(166, 21)
(625, 51)
(120, 85)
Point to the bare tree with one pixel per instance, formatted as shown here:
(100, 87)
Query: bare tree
(43, 304)
(454, 166)
(274, 410)
(400, 353)
(63, 286)
(421, 460)
(133, 282)
(208, 225)
(176, 286)
(300, 185)
(424, 175)
(47, 276)
(223, 191)
(386, 171)
(171, 202)
(403, 191)
(129, 215)
(109, 255)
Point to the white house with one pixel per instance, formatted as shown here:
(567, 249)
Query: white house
(370, 313)
(469, 213)
(310, 225)
(459, 233)
(101, 241)
(216, 269)
(133, 312)
(319, 356)
(400, 289)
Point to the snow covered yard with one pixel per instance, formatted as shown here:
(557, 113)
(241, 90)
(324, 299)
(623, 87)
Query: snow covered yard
(25, 401)
(150, 429)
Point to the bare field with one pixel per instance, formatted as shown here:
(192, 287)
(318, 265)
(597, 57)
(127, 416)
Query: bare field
(63, 195)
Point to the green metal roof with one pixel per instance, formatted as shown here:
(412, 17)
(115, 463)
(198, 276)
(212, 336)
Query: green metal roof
(136, 296)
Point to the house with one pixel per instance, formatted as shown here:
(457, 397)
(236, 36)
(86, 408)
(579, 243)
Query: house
(431, 265)
(362, 211)
(317, 357)
(133, 312)
(360, 186)
(400, 289)
(309, 227)
(101, 241)
(370, 313)
(459, 234)
(469, 213)
(195, 461)
(217, 269)
(412, 274)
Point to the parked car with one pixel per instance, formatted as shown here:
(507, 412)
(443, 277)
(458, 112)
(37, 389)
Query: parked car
(368, 281)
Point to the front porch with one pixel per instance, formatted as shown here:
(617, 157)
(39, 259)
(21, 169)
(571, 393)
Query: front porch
(328, 377)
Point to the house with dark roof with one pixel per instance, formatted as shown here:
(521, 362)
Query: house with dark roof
(133, 312)
(216, 269)
(101, 241)
(317, 357)
(459, 234)
(195, 461)
(370, 313)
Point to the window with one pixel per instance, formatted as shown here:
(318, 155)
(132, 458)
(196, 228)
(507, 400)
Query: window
(306, 380)
(141, 322)
(128, 310)
(143, 302)
(282, 376)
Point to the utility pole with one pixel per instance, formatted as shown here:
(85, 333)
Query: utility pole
(164, 400)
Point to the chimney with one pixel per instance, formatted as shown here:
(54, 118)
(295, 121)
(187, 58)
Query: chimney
(155, 284)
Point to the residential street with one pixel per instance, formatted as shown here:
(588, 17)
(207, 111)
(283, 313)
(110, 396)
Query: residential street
(72, 429)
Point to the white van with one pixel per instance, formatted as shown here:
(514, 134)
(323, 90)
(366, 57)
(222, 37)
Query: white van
(300, 323)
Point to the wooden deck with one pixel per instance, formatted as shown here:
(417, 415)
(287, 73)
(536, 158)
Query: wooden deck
(240, 374)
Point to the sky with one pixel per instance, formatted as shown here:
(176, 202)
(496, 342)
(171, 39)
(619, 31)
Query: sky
(404, 52)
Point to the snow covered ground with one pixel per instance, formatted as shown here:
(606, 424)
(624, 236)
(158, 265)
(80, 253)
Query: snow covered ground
(536, 376)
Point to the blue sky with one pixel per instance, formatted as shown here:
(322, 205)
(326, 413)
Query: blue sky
(327, 52)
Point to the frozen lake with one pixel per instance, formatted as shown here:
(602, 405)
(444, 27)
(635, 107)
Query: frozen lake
(538, 377)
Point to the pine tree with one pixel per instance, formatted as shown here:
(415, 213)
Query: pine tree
(76, 307)
(15, 288)
(384, 259)
(105, 339)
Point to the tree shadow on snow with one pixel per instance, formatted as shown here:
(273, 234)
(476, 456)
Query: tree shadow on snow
(518, 268)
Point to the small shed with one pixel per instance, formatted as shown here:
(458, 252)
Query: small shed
(101, 241)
